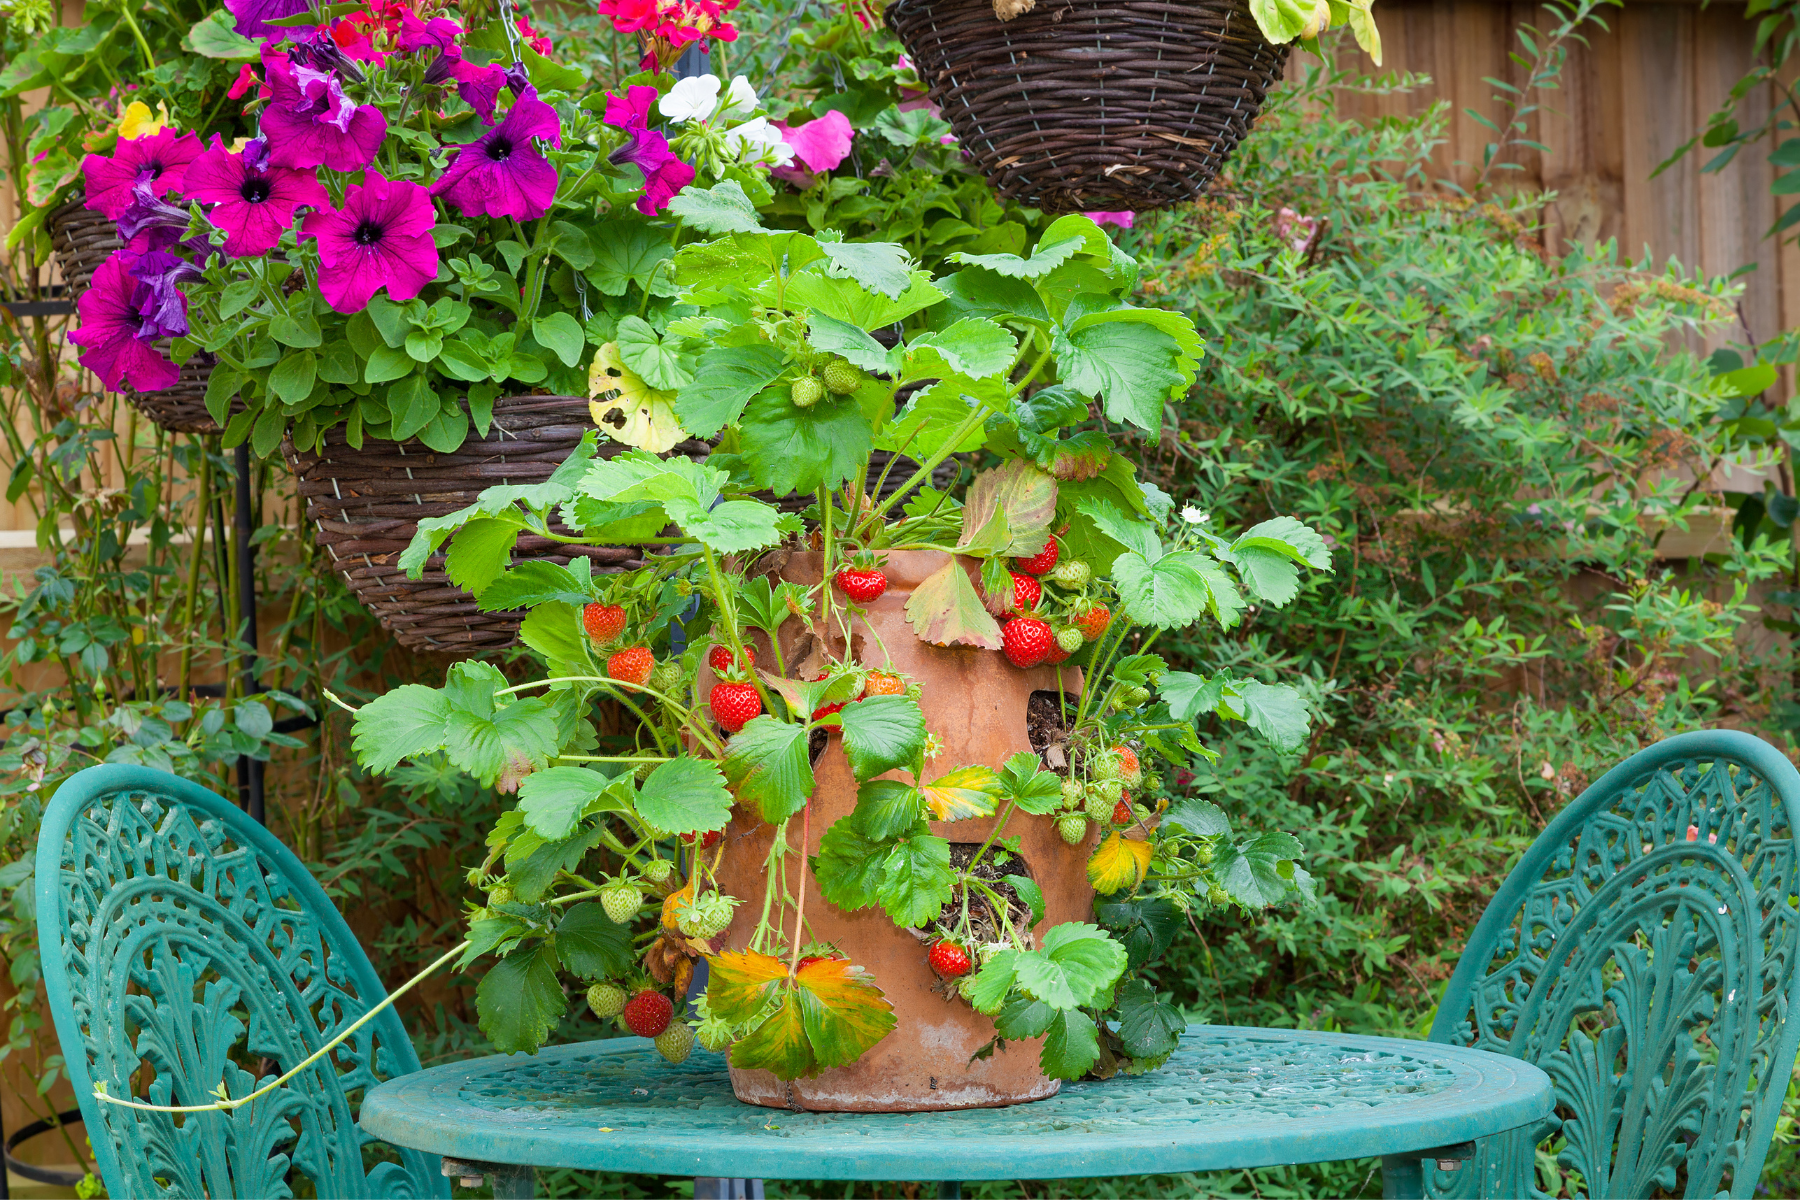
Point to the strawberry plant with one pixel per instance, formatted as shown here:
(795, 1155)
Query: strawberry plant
(993, 363)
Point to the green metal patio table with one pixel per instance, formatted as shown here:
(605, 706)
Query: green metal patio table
(1228, 1098)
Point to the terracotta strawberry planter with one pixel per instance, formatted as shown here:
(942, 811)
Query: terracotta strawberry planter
(976, 702)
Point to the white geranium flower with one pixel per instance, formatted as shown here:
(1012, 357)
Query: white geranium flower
(692, 99)
(740, 100)
(758, 140)
(1194, 516)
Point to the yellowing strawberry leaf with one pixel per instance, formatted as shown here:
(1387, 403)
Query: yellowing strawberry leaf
(1025, 494)
(739, 983)
(1118, 863)
(845, 1013)
(965, 792)
(945, 609)
(778, 1044)
(767, 764)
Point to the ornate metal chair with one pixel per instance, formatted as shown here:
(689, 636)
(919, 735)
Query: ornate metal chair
(1643, 954)
(184, 947)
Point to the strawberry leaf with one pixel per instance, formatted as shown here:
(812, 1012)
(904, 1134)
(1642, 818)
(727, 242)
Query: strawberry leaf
(881, 733)
(767, 764)
(963, 793)
(845, 1013)
(778, 1044)
(944, 609)
(685, 795)
(739, 983)
(1071, 1045)
(916, 878)
(1025, 494)
(592, 946)
(887, 808)
(1118, 863)
(520, 999)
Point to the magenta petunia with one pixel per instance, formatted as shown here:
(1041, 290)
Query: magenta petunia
(253, 16)
(159, 299)
(380, 238)
(502, 173)
(115, 337)
(646, 149)
(438, 33)
(253, 202)
(159, 160)
(311, 123)
(632, 110)
(478, 85)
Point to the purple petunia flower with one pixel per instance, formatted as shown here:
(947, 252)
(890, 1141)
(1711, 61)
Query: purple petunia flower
(310, 122)
(150, 223)
(253, 16)
(115, 337)
(646, 149)
(158, 298)
(380, 238)
(158, 160)
(502, 173)
(253, 202)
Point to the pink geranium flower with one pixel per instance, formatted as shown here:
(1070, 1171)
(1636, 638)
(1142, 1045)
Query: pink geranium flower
(115, 337)
(311, 123)
(502, 173)
(246, 79)
(159, 160)
(380, 238)
(646, 149)
(253, 202)
(819, 145)
(1122, 219)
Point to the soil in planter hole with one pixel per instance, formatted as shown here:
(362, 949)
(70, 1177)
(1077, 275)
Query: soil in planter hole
(1048, 732)
(983, 924)
(816, 741)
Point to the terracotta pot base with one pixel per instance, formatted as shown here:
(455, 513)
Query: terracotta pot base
(977, 704)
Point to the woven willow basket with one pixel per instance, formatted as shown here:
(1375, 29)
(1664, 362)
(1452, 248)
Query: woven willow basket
(82, 241)
(1083, 105)
(366, 505)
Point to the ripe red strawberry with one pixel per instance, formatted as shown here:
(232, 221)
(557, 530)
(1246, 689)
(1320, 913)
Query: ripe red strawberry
(1121, 814)
(1093, 621)
(825, 710)
(813, 958)
(632, 666)
(603, 622)
(1044, 561)
(707, 840)
(735, 705)
(720, 658)
(949, 960)
(648, 1013)
(883, 684)
(1027, 641)
(862, 584)
(1026, 593)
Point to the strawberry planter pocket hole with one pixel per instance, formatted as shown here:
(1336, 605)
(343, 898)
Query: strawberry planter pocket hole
(1046, 727)
(816, 741)
(1002, 872)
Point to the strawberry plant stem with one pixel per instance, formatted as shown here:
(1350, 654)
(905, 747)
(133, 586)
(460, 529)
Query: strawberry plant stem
(800, 903)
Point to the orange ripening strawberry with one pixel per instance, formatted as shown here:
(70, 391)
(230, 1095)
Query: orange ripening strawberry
(631, 666)
(1128, 761)
(881, 683)
(1093, 621)
(603, 622)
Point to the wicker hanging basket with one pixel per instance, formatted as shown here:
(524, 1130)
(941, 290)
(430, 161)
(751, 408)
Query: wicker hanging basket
(82, 240)
(1085, 105)
(366, 504)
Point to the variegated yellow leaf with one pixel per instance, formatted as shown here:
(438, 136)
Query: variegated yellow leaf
(964, 792)
(1118, 863)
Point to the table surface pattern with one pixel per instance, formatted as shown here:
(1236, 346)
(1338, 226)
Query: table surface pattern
(1228, 1098)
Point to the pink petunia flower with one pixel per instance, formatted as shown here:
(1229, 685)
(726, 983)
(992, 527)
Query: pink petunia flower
(819, 145)
(380, 238)
(117, 340)
(646, 149)
(311, 123)
(1122, 219)
(253, 16)
(253, 202)
(158, 160)
(502, 173)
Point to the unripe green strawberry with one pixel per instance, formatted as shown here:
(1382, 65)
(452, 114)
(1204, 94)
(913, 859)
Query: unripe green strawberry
(1204, 855)
(1071, 573)
(642, 771)
(1073, 828)
(657, 869)
(1106, 765)
(985, 952)
(842, 378)
(915, 692)
(500, 895)
(621, 902)
(806, 392)
(1110, 790)
(665, 677)
(1072, 793)
(965, 987)
(606, 999)
(1137, 697)
(1070, 639)
(1217, 896)
(714, 1033)
(676, 1042)
(1098, 807)
(706, 917)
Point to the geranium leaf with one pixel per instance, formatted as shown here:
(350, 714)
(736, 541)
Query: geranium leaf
(778, 1044)
(916, 880)
(520, 1000)
(881, 733)
(724, 380)
(685, 795)
(841, 337)
(945, 609)
(627, 252)
(655, 361)
(1071, 1045)
(722, 208)
(1047, 257)
(887, 808)
(845, 1013)
(1118, 863)
(767, 763)
(402, 723)
(965, 792)
(592, 946)
(799, 449)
